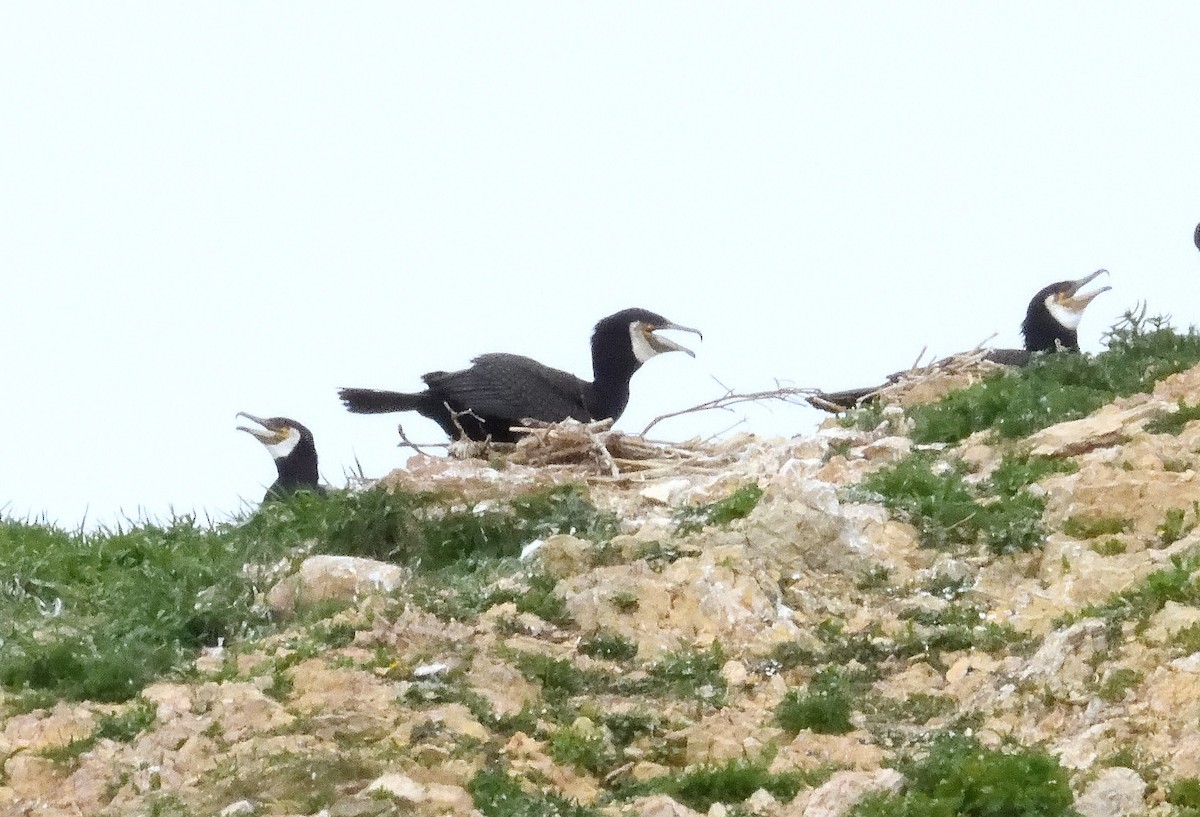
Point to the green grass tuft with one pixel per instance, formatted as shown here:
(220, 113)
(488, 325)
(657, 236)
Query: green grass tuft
(1081, 527)
(1059, 387)
(497, 794)
(610, 646)
(824, 707)
(948, 512)
(1185, 793)
(1113, 688)
(1175, 524)
(1139, 603)
(431, 530)
(587, 750)
(121, 727)
(1173, 422)
(737, 505)
(730, 783)
(960, 778)
(100, 615)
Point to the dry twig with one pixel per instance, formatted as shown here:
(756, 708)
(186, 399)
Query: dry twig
(405, 442)
(786, 394)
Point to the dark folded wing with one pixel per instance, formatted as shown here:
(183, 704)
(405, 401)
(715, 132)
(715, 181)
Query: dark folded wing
(513, 387)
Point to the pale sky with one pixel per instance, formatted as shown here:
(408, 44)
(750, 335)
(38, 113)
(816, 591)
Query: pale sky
(207, 208)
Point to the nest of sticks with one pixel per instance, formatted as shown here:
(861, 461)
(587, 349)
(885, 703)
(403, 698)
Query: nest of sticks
(920, 383)
(606, 452)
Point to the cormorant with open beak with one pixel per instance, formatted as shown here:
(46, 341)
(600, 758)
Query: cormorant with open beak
(1054, 315)
(291, 446)
(497, 391)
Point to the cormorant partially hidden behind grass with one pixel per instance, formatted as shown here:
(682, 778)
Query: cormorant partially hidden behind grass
(497, 391)
(295, 454)
(1050, 325)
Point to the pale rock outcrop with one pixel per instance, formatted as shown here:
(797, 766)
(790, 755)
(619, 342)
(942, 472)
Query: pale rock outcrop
(836, 796)
(337, 578)
(1116, 792)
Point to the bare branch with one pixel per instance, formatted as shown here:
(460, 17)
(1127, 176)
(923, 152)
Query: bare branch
(405, 442)
(787, 394)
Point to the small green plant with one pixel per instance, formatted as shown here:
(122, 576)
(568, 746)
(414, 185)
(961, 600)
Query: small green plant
(730, 783)
(690, 673)
(558, 676)
(541, 600)
(737, 505)
(1185, 793)
(1173, 422)
(788, 655)
(960, 777)
(293, 781)
(866, 417)
(1114, 686)
(1186, 640)
(611, 646)
(824, 707)
(122, 726)
(497, 794)
(1081, 527)
(955, 627)
(1017, 472)
(587, 750)
(1139, 603)
(947, 512)
(1110, 547)
(931, 494)
(919, 708)
(626, 727)
(1175, 524)
(874, 578)
(624, 601)
(660, 554)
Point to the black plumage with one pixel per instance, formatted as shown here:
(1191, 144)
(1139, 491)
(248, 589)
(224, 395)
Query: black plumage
(1050, 325)
(1196, 236)
(1054, 314)
(292, 447)
(497, 391)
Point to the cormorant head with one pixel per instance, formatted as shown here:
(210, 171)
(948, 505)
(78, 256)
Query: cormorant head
(1055, 312)
(640, 325)
(280, 435)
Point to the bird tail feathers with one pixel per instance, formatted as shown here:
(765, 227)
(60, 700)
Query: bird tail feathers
(370, 401)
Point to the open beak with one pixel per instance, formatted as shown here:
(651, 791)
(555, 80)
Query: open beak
(661, 344)
(269, 434)
(1072, 299)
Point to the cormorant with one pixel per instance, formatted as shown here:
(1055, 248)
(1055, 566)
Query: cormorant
(497, 391)
(1050, 325)
(1051, 320)
(295, 454)
(1196, 236)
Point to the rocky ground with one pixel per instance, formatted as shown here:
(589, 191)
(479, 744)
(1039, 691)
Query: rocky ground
(395, 703)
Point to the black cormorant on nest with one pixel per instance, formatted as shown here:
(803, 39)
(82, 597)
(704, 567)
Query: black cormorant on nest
(497, 391)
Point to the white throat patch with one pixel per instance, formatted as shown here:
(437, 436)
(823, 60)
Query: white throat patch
(642, 350)
(286, 446)
(1064, 315)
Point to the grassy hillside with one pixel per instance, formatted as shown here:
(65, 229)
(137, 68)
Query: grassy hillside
(913, 591)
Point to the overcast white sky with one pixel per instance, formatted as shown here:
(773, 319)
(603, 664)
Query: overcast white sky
(207, 208)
